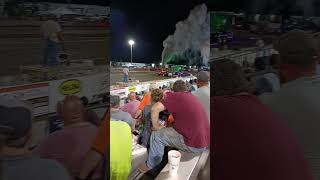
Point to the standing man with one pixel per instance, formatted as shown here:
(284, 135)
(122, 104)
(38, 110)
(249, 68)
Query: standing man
(125, 75)
(53, 36)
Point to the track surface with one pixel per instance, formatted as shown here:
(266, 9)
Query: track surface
(141, 76)
(23, 45)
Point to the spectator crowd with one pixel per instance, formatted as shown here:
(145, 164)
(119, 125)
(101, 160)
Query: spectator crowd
(265, 124)
(87, 147)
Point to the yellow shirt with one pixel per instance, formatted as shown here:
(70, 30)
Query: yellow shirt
(120, 150)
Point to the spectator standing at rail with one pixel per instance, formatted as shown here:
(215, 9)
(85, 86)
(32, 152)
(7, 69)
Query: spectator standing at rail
(74, 140)
(15, 133)
(117, 114)
(125, 71)
(250, 141)
(53, 36)
(132, 106)
(190, 131)
(203, 91)
(298, 99)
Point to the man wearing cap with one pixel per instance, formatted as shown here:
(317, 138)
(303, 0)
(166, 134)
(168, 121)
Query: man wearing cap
(203, 91)
(117, 114)
(16, 160)
(298, 100)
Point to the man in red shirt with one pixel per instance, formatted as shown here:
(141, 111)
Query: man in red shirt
(250, 141)
(190, 131)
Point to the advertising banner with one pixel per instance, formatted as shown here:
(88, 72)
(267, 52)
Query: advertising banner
(36, 93)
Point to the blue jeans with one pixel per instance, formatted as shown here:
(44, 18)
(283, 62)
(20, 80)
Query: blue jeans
(166, 137)
(125, 78)
(51, 53)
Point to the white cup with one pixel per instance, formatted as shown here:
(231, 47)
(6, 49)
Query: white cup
(174, 161)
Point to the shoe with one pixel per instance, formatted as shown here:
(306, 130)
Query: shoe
(144, 168)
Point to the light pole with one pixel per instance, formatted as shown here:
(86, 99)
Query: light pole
(131, 43)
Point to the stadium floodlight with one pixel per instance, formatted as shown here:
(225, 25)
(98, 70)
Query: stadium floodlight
(131, 43)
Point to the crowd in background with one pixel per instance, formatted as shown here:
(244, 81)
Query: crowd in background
(164, 117)
(80, 148)
(265, 123)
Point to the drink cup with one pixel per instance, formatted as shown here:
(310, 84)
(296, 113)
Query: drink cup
(174, 161)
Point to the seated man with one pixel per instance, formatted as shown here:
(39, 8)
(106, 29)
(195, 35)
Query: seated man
(190, 131)
(156, 96)
(250, 141)
(117, 114)
(203, 91)
(132, 106)
(69, 145)
(15, 135)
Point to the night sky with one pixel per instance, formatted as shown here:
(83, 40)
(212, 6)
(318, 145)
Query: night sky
(89, 2)
(148, 23)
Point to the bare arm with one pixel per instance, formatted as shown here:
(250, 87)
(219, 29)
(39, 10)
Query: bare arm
(138, 114)
(155, 110)
(91, 161)
(60, 36)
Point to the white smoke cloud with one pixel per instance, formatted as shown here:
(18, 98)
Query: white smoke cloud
(191, 34)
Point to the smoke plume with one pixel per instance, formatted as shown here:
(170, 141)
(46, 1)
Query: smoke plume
(190, 43)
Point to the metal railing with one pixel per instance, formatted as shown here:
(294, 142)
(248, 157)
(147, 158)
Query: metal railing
(244, 55)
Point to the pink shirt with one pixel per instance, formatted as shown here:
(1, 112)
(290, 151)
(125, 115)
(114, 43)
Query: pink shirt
(131, 107)
(69, 147)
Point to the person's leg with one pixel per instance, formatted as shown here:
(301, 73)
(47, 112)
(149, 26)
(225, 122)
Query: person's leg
(55, 54)
(159, 140)
(146, 133)
(46, 51)
(126, 78)
(51, 53)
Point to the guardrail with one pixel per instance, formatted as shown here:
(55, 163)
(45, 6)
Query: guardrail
(248, 55)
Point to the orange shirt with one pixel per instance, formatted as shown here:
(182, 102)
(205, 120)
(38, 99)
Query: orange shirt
(146, 100)
(170, 120)
(102, 140)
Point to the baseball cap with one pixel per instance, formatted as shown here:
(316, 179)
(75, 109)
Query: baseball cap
(114, 100)
(16, 118)
(203, 76)
(297, 47)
